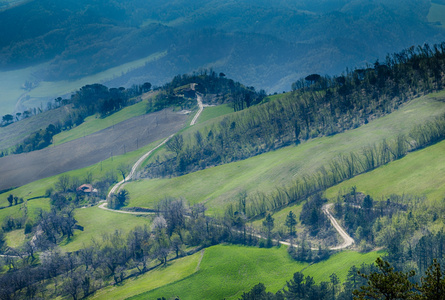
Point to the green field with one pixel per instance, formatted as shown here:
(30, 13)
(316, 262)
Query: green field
(94, 124)
(420, 173)
(212, 112)
(15, 238)
(437, 14)
(97, 222)
(161, 276)
(39, 187)
(219, 185)
(227, 271)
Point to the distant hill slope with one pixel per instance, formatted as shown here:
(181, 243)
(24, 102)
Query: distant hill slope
(265, 45)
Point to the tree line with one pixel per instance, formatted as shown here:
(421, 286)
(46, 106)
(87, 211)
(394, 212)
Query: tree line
(176, 230)
(219, 89)
(325, 106)
(341, 168)
(88, 100)
(375, 281)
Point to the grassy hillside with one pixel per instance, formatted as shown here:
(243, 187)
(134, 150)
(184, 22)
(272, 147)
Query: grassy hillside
(97, 222)
(94, 124)
(214, 111)
(227, 271)
(38, 188)
(219, 185)
(161, 276)
(16, 132)
(420, 173)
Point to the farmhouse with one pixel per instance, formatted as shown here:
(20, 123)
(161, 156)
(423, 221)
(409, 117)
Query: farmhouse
(86, 188)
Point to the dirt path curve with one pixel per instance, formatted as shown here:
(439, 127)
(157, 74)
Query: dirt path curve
(347, 239)
(201, 107)
(121, 183)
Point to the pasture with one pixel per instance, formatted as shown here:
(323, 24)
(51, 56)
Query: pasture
(420, 173)
(218, 186)
(219, 279)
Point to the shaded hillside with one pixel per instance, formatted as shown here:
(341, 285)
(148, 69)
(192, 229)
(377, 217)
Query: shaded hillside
(263, 44)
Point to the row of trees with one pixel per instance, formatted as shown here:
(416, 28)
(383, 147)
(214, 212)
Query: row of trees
(88, 100)
(343, 103)
(343, 167)
(177, 230)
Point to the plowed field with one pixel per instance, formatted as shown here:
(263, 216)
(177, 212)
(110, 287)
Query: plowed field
(17, 170)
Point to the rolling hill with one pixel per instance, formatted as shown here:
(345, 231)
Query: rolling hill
(291, 40)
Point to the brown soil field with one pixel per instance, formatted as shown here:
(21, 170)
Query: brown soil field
(20, 169)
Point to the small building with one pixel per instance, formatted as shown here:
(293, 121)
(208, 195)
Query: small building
(86, 188)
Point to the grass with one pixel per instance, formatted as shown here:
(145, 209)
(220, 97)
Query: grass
(280, 219)
(340, 263)
(161, 276)
(15, 133)
(419, 173)
(227, 271)
(15, 238)
(11, 87)
(212, 112)
(16, 211)
(39, 187)
(217, 186)
(97, 222)
(93, 124)
(437, 14)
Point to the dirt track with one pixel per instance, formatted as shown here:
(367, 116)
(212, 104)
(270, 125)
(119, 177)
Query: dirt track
(17, 170)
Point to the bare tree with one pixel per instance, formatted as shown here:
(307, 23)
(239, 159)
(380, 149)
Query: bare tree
(63, 182)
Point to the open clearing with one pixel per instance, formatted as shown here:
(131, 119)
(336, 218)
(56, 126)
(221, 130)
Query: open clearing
(218, 186)
(218, 279)
(97, 222)
(93, 124)
(126, 136)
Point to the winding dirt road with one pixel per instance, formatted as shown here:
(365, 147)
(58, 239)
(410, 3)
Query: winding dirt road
(130, 176)
(347, 240)
(201, 107)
